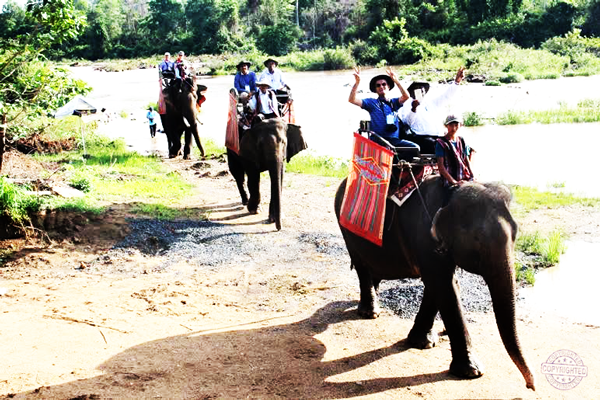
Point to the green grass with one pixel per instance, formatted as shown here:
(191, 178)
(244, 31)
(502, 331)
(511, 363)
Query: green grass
(528, 199)
(535, 251)
(16, 203)
(587, 110)
(307, 163)
(162, 212)
(112, 173)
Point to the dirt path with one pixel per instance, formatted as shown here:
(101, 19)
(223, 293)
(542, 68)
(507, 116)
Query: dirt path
(83, 320)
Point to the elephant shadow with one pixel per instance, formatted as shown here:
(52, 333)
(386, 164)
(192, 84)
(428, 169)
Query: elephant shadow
(276, 361)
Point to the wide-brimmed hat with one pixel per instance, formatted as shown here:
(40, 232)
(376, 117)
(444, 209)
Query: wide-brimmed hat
(167, 53)
(263, 83)
(389, 80)
(242, 63)
(270, 59)
(452, 118)
(424, 86)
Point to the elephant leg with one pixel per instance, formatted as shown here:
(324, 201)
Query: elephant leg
(187, 144)
(276, 175)
(254, 189)
(464, 363)
(194, 129)
(421, 335)
(175, 143)
(237, 171)
(368, 307)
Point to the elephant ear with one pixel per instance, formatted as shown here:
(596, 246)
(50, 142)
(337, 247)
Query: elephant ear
(439, 228)
(295, 141)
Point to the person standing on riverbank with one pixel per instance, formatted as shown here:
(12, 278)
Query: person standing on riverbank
(152, 119)
(383, 111)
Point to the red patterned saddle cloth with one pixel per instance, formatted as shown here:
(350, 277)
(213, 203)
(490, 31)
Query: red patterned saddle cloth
(405, 180)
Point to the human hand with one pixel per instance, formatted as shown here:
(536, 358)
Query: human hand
(460, 74)
(415, 104)
(391, 74)
(357, 74)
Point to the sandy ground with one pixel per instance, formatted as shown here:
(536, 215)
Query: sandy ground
(255, 329)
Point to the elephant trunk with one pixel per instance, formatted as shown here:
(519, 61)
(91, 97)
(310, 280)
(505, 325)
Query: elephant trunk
(502, 291)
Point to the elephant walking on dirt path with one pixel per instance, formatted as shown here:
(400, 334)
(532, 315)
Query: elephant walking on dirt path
(181, 117)
(265, 147)
(476, 232)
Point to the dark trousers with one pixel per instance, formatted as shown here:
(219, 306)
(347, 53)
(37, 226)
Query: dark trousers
(152, 130)
(425, 142)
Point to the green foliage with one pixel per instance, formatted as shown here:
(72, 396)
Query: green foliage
(535, 251)
(15, 203)
(512, 77)
(527, 199)
(278, 39)
(162, 212)
(81, 182)
(492, 82)
(339, 58)
(586, 111)
(591, 26)
(364, 53)
(215, 27)
(472, 119)
(394, 44)
(308, 163)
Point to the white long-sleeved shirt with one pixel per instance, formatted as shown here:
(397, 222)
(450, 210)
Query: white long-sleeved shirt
(429, 118)
(274, 79)
(268, 102)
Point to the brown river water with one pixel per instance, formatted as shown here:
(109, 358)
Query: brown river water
(548, 157)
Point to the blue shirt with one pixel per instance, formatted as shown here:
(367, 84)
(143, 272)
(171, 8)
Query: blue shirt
(152, 117)
(380, 112)
(166, 65)
(241, 81)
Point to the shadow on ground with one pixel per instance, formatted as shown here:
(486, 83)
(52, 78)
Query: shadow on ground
(284, 360)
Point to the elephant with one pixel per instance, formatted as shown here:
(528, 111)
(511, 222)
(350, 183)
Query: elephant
(476, 232)
(265, 147)
(181, 117)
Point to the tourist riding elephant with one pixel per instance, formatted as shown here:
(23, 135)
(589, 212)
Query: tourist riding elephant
(265, 147)
(181, 117)
(475, 232)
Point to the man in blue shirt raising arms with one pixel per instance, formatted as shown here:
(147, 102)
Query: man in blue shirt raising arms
(383, 110)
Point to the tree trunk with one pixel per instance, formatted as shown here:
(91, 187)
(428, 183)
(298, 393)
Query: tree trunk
(2, 131)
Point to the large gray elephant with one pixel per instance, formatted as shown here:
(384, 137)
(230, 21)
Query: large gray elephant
(265, 147)
(476, 232)
(181, 117)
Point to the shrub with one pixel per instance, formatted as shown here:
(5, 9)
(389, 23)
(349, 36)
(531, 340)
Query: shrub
(338, 58)
(364, 53)
(82, 183)
(513, 77)
(278, 39)
(472, 119)
(492, 82)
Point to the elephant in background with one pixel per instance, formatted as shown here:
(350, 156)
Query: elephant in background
(265, 147)
(181, 117)
(476, 232)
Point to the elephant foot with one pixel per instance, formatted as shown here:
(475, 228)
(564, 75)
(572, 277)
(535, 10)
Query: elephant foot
(469, 368)
(244, 202)
(187, 157)
(370, 311)
(254, 211)
(422, 341)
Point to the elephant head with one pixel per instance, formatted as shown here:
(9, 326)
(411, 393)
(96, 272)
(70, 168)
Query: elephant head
(477, 230)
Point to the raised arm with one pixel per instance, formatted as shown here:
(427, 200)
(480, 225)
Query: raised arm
(352, 98)
(405, 95)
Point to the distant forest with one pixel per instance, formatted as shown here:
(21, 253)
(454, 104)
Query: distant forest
(139, 28)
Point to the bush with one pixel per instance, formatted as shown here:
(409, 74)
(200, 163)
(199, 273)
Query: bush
(492, 82)
(364, 53)
(15, 204)
(340, 58)
(279, 39)
(513, 77)
(392, 40)
(472, 119)
(82, 183)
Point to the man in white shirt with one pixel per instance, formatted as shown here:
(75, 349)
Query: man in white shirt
(263, 103)
(273, 76)
(425, 116)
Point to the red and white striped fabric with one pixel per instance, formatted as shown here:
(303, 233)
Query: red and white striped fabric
(363, 207)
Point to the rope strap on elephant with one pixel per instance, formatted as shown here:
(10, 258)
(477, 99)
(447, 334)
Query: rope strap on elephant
(363, 206)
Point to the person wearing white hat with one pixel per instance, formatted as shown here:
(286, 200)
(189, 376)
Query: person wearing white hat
(453, 157)
(166, 69)
(273, 75)
(263, 103)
